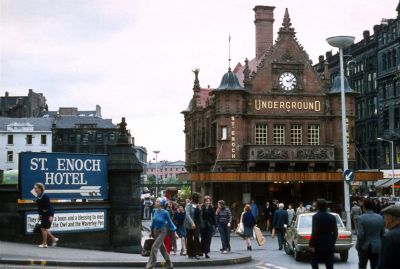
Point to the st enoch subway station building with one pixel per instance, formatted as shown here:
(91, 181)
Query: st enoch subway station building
(272, 129)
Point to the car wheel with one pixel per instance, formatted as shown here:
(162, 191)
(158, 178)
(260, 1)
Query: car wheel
(296, 255)
(287, 248)
(344, 256)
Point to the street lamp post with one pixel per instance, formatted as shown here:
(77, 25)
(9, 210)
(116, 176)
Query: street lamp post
(392, 153)
(342, 42)
(156, 152)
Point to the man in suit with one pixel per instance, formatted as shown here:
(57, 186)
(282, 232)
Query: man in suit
(370, 229)
(323, 236)
(389, 257)
(280, 222)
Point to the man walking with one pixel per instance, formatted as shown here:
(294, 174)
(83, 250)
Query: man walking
(389, 257)
(323, 236)
(355, 214)
(279, 224)
(370, 229)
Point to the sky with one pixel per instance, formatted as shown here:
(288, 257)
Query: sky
(135, 58)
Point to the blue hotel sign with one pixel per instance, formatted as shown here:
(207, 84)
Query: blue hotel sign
(64, 175)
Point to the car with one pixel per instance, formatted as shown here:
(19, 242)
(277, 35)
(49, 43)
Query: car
(298, 235)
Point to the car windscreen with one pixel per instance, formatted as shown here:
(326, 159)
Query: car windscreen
(306, 222)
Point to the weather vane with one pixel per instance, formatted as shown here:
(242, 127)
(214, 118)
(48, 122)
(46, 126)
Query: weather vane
(229, 59)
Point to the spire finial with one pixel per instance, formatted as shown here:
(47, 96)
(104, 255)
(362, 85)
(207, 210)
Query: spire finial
(286, 25)
(229, 59)
(196, 84)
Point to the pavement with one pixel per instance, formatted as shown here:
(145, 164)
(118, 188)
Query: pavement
(28, 255)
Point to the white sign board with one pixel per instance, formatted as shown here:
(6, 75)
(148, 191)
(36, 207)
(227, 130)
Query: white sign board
(70, 221)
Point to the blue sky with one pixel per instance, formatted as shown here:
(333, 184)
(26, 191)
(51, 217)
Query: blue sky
(134, 58)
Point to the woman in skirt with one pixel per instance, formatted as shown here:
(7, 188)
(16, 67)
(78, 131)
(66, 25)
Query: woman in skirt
(248, 225)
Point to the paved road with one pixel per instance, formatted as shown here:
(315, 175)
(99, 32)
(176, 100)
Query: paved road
(266, 257)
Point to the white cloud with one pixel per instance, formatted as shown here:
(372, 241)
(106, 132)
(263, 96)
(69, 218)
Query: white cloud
(134, 58)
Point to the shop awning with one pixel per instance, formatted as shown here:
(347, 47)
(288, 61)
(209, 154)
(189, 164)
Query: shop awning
(384, 183)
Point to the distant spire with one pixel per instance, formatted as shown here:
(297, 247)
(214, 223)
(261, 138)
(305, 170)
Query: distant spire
(229, 59)
(246, 73)
(196, 84)
(286, 29)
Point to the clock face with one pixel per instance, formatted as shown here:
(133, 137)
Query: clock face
(287, 81)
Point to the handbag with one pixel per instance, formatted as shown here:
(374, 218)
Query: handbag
(36, 229)
(240, 227)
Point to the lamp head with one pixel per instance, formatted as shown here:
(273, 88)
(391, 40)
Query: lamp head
(340, 41)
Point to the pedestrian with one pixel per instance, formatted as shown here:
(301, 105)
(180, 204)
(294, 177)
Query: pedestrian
(171, 210)
(323, 236)
(179, 219)
(249, 222)
(378, 206)
(46, 215)
(267, 216)
(355, 214)
(234, 216)
(370, 229)
(279, 225)
(159, 232)
(147, 204)
(254, 209)
(389, 257)
(290, 212)
(272, 208)
(207, 225)
(300, 209)
(192, 225)
(223, 220)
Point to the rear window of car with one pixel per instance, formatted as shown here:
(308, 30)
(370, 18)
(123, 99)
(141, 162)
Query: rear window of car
(306, 221)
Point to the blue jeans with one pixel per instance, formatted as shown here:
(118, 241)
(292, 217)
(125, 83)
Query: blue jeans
(225, 233)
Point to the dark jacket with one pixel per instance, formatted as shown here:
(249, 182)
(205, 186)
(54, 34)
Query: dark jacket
(390, 251)
(370, 229)
(44, 207)
(207, 217)
(324, 232)
(248, 219)
(223, 216)
(281, 218)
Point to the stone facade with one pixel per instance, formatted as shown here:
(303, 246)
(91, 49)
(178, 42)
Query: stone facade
(274, 113)
(32, 105)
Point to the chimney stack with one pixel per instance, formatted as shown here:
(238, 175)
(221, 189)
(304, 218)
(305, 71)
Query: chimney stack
(366, 35)
(264, 20)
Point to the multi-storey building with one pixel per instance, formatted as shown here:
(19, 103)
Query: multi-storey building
(272, 129)
(23, 134)
(373, 68)
(141, 155)
(165, 170)
(82, 131)
(388, 79)
(32, 105)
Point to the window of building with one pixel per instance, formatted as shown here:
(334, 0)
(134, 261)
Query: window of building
(43, 139)
(85, 138)
(384, 66)
(313, 134)
(10, 156)
(384, 93)
(375, 105)
(389, 59)
(386, 119)
(374, 79)
(296, 134)
(99, 138)
(261, 134)
(224, 132)
(398, 154)
(279, 134)
(10, 139)
(394, 58)
(397, 118)
(29, 139)
(396, 90)
(387, 154)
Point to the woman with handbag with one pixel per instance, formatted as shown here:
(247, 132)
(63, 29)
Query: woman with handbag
(249, 222)
(46, 215)
(160, 222)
